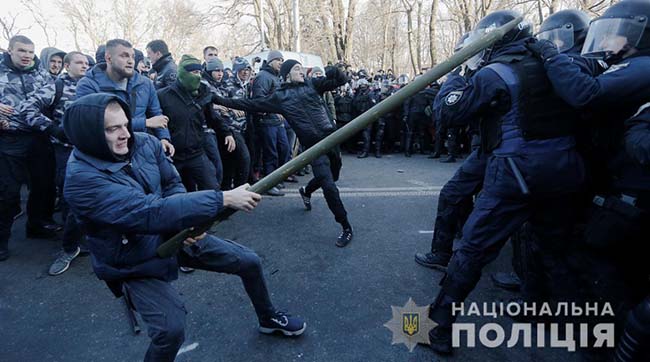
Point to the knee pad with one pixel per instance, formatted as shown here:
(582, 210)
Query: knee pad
(633, 344)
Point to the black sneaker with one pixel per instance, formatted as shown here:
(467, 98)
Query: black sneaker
(345, 238)
(284, 323)
(436, 260)
(186, 269)
(507, 281)
(440, 340)
(449, 159)
(40, 232)
(305, 198)
(62, 263)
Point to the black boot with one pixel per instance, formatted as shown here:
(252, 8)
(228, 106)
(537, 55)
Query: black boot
(449, 159)
(378, 153)
(362, 154)
(440, 340)
(507, 281)
(435, 260)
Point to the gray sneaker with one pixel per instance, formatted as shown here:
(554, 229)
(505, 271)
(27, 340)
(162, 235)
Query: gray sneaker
(62, 263)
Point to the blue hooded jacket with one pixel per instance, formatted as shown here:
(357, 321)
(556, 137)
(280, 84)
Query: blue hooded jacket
(139, 90)
(126, 205)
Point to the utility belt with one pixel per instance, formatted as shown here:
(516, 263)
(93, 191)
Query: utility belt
(617, 219)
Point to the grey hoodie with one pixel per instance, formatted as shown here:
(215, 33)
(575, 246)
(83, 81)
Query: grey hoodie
(48, 53)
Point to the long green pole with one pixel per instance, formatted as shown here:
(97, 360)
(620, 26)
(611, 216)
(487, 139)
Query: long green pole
(171, 246)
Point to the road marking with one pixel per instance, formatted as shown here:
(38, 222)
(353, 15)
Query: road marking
(370, 194)
(187, 348)
(425, 231)
(380, 189)
(428, 190)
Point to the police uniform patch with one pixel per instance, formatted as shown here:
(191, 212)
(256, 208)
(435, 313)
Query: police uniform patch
(453, 97)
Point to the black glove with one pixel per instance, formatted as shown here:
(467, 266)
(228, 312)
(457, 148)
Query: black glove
(543, 48)
(56, 132)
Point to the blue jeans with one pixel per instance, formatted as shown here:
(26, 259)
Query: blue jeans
(212, 151)
(275, 146)
(71, 232)
(162, 309)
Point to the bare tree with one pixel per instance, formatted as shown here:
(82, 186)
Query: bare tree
(8, 26)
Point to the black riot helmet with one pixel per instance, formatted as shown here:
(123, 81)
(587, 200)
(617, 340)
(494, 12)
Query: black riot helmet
(491, 22)
(502, 17)
(566, 28)
(623, 26)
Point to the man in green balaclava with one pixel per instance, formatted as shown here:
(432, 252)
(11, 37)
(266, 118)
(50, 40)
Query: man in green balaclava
(187, 104)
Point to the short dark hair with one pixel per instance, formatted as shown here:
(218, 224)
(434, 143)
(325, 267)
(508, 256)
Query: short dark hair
(209, 47)
(19, 39)
(68, 57)
(114, 43)
(158, 45)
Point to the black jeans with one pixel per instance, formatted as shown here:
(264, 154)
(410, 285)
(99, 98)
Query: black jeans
(211, 147)
(197, 173)
(71, 232)
(25, 158)
(236, 164)
(325, 174)
(41, 167)
(162, 308)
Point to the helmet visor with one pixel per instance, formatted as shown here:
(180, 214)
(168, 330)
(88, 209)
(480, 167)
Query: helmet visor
(609, 36)
(562, 38)
(475, 61)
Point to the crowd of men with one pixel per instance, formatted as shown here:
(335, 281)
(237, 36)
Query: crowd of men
(557, 128)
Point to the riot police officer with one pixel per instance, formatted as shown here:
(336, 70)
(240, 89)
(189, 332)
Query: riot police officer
(532, 173)
(618, 183)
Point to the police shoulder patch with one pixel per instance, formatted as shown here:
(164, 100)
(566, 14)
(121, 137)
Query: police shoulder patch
(453, 97)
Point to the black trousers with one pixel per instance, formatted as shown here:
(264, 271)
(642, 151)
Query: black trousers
(162, 308)
(25, 158)
(326, 169)
(197, 173)
(236, 164)
(71, 232)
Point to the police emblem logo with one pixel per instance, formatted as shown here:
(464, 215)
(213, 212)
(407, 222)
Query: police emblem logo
(410, 323)
(453, 97)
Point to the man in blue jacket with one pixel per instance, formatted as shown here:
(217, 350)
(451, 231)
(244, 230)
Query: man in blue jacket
(126, 195)
(118, 76)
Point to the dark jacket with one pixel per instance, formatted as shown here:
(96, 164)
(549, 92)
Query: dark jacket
(139, 92)
(166, 70)
(266, 82)
(125, 205)
(363, 100)
(301, 105)
(187, 116)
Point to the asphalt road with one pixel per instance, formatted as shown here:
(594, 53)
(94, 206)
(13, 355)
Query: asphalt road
(345, 295)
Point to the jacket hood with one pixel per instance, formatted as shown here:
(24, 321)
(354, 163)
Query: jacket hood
(160, 63)
(48, 53)
(268, 68)
(83, 123)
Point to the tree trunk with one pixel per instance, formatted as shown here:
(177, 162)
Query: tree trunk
(418, 36)
(432, 32)
(409, 32)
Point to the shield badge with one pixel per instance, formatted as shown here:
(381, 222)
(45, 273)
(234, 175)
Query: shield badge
(410, 323)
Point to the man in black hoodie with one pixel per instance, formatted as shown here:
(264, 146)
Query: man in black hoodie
(163, 64)
(187, 103)
(300, 102)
